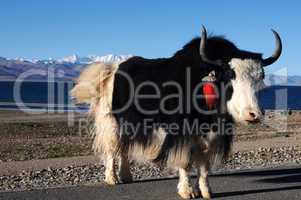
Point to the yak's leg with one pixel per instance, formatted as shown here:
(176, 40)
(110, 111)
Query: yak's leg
(124, 169)
(110, 175)
(203, 183)
(185, 190)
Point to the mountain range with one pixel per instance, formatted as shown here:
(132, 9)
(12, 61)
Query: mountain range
(68, 68)
(64, 69)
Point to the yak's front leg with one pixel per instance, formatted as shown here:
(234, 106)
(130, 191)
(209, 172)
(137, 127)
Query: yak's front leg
(110, 175)
(185, 190)
(203, 183)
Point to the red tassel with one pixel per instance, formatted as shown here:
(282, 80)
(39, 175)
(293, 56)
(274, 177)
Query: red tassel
(210, 95)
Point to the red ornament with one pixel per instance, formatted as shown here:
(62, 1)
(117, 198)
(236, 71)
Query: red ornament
(210, 94)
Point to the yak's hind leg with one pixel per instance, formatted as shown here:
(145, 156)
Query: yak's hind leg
(124, 168)
(106, 144)
(185, 190)
(202, 183)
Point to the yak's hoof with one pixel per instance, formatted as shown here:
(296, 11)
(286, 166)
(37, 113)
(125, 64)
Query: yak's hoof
(111, 180)
(188, 193)
(126, 179)
(206, 195)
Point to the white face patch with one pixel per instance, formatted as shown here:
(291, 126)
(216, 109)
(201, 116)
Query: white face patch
(243, 105)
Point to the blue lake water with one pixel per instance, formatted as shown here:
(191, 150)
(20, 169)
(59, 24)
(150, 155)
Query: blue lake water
(55, 96)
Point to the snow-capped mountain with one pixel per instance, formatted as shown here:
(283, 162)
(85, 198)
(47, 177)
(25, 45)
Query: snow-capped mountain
(75, 59)
(111, 58)
(70, 59)
(69, 67)
(66, 68)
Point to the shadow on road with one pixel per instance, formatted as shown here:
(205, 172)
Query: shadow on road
(283, 176)
(237, 193)
(294, 176)
(154, 180)
(273, 172)
(283, 179)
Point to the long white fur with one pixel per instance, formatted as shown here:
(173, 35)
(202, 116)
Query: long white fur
(95, 86)
(139, 153)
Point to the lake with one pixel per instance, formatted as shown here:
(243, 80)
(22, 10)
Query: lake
(55, 96)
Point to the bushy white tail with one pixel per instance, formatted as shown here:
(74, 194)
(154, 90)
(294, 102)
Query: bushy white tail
(95, 87)
(92, 85)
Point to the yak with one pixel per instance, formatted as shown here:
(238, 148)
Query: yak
(158, 110)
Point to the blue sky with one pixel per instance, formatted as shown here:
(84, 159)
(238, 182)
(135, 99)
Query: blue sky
(57, 28)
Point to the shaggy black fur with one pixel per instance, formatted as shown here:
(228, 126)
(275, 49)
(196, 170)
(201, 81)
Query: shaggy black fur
(160, 71)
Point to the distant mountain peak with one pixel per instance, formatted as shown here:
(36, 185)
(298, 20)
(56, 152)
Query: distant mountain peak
(72, 65)
(69, 66)
(69, 59)
(76, 59)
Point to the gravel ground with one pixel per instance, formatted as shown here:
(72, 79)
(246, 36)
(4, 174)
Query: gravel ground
(37, 137)
(92, 174)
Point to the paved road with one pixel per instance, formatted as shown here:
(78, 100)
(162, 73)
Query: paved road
(282, 184)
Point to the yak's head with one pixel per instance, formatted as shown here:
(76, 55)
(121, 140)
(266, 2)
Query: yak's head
(242, 73)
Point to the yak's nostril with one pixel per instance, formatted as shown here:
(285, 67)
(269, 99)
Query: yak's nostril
(252, 115)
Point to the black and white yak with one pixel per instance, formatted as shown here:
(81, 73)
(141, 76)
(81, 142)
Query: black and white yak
(158, 110)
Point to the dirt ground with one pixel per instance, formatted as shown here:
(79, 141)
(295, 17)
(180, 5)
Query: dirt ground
(27, 136)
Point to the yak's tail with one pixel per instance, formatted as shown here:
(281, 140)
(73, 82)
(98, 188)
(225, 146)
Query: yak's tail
(95, 87)
(92, 85)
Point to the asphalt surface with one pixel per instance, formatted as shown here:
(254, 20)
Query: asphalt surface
(284, 184)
